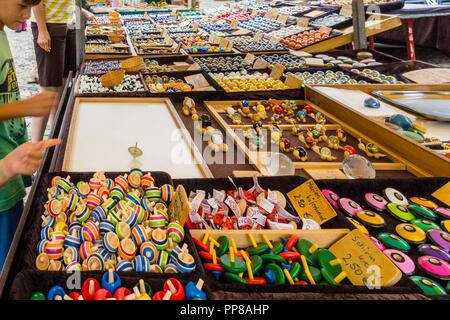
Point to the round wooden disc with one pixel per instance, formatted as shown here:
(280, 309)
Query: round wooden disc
(237, 266)
(273, 274)
(234, 278)
(261, 248)
(268, 258)
(224, 245)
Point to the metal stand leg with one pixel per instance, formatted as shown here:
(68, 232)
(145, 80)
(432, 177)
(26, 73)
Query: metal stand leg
(372, 43)
(410, 46)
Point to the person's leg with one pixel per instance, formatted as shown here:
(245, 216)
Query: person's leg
(9, 220)
(50, 71)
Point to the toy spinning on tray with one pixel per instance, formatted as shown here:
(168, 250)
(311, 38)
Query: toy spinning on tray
(121, 224)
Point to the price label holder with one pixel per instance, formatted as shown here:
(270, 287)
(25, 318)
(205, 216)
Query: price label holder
(260, 63)
(277, 71)
(258, 36)
(179, 207)
(443, 194)
(283, 18)
(326, 30)
(198, 81)
(314, 62)
(315, 14)
(303, 22)
(293, 82)
(249, 58)
(346, 10)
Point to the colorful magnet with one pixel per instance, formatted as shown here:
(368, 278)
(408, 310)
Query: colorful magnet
(440, 238)
(376, 242)
(443, 212)
(425, 225)
(237, 266)
(261, 248)
(432, 250)
(424, 202)
(224, 245)
(375, 201)
(401, 260)
(445, 224)
(371, 219)
(395, 196)
(274, 274)
(332, 197)
(400, 212)
(429, 287)
(411, 233)
(435, 267)
(349, 206)
(233, 278)
(423, 212)
(358, 225)
(394, 242)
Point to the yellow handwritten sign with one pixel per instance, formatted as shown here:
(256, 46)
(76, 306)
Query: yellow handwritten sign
(310, 203)
(364, 263)
(443, 194)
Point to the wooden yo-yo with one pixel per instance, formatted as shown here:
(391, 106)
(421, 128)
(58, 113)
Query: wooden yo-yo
(42, 262)
(90, 287)
(135, 151)
(176, 288)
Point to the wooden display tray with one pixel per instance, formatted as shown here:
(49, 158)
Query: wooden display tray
(323, 237)
(380, 24)
(216, 108)
(194, 153)
(419, 160)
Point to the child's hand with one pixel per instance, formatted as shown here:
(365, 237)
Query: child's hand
(39, 104)
(25, 159)
(44, 41)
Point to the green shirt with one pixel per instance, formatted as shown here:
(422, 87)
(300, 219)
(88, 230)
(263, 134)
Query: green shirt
(12, 132)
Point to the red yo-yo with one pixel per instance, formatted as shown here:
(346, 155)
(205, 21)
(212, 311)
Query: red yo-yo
(175, 287)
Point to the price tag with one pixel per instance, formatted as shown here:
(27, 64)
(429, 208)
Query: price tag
(303, 22)
(282, 213)
(165, 32)
(249, 58)
(212, 202)
(193, 67)
(261, 219)
(301, 54)
(168, 40)
(315, 13)
(273, 40)
(272, 196)
(234, 24)
(197, 80)
(223, 43)
(252, 212)
(185, 23)
(310, 203)
(179, 207)
(241, 32)
(309, 224)
(314, 62)
(231, 203)
(260, 64)
(364, 263)
(264, 203)
(219, 196)
(325, 29)
(443, 194)
(346, 10)
(245, 222)
(255, 12)
(283, 18)
(258, 36)
(293, 82)
(277, 71)
(195, 26)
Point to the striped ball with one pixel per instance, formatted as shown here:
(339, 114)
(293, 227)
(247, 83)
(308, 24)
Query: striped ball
(55, 207)
(109, 183)
(98, 214)
(104, 253)
(137, 171)
(127, 249)
(95, 183)
(161, 208)
(64, 185)
(50, 221)
(134, 180)
(155, 268)
(133, 198)
(123, 230)
(124, 265)
(167, 193)
(176, 232)
(157, 220)
(139, 235)
(58, 236)
(70, 254)
(41, 246)
(103, 192)
(108, 204)
(114, 217)
(159, 238)
(72, 241)
(147, 205)
(131, 220)
(61, 226)
(121, 182)
(55, 181)
(147, 181)
(149, 250)
(93, 200)
(95, 262)
(53, 192)
(163, 258)
(83, 189)
(141, 264)
(91, 231)
(106, 226)
(73, 266)
(122, 205)
(153, 194)
(83, 215)
(111, 242)
(183, 268)
(86, 250)
(73, 201)
(46, 233)
(54, 250)
(140, 213)
(117, 194)
(171, 268)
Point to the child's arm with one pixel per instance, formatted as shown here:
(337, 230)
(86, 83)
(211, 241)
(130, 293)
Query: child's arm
(36, 106)
(44, 40)
(25, 159)
(88, 15)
